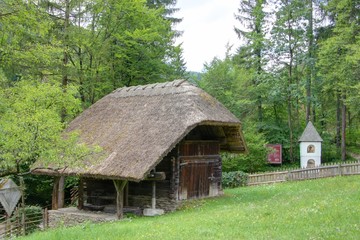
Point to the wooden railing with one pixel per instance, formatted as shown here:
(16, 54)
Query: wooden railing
(323, 171)
(20, 224)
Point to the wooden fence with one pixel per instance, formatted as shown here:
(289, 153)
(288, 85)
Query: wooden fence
(21, 222)
(323, 171)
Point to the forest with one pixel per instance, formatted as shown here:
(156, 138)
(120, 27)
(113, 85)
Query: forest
(298, 62)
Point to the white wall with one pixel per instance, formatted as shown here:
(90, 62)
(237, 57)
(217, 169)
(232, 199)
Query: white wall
(305, 156)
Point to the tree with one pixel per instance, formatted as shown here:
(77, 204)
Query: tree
(27, 46)
(219, 80)
(252, 17)
(177, 64)
(95, 45)
(224, 80)
(338, 58)
(31, 126)
(289, 42)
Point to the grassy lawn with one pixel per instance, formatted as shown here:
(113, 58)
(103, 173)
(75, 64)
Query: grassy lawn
(316, 209)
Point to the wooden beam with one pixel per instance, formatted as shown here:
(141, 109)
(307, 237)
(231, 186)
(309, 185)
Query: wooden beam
(61, 193)
(54, 200)
(155, 176)
(126, 195)
(81, 194)
(119, 186)
(153, 198)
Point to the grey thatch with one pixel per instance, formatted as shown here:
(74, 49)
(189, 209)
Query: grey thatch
(310, 134)
(138, 126)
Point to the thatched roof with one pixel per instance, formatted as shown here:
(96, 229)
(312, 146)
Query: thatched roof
(138, 126)
(310, 134)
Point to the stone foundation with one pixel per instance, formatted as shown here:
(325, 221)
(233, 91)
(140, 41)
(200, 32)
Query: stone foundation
(168, 205)
(72, 216)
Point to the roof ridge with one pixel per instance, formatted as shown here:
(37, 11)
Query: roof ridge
(174, 83)
(153, 88)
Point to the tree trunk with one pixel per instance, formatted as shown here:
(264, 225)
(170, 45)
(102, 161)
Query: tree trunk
(289, 90)
(310, 34)
(289, 110)
(291, 152)
(64, 82)
(338, 122)
(343, 129)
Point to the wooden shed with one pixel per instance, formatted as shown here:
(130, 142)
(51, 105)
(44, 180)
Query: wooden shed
(162, 145)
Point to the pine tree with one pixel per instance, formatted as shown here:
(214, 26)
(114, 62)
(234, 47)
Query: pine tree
(339, 59)
(252, 17)
(289, 41)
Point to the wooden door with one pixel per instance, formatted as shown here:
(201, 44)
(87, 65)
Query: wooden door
(200, 169)
(196, 179)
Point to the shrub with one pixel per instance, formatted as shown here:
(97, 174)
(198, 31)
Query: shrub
(234, 179)
(253, 161)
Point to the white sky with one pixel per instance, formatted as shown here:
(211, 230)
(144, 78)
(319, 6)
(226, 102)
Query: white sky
(208, 26)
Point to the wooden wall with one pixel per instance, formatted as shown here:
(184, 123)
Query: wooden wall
(192, 169)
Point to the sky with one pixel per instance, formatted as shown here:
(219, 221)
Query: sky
(207, 25)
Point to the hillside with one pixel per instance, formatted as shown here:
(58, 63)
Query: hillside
(316, 209)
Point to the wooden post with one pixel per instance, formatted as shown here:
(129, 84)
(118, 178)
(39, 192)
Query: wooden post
(7, 226)
(54, 201)
(22, 188)
(18, 222)
(81, 194)
(61, 194)
(126, 195)
(340, 169)
(119, 186)
(153, 199)
(45, 219)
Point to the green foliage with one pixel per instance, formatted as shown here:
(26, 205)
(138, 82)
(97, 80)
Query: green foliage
(31, 122)
(27, 45)
(234, 179)
(220, 81)
(97, 46)
(31, 126)
(284, 74)
(38, 189)
(338, 65)
(329, 152)
(314, 209)
(33, 216)
(254, 160)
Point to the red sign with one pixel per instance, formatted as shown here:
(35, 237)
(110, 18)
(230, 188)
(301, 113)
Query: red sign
(275, 155)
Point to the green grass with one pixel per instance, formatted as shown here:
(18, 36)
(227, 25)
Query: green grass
(316, 209)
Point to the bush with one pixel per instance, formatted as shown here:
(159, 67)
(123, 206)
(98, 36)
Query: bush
(256, 158)
(234, 179)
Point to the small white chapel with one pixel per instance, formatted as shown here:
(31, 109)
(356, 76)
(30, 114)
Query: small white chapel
(310, 147)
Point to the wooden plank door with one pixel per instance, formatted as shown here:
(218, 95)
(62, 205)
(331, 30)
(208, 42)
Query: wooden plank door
(195, 179)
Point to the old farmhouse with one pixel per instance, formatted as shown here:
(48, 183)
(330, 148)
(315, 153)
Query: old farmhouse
(162, 145)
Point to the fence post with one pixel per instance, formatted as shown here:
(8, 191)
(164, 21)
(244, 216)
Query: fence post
(288, 176)
(45, 219)
(340, 170)
(7, 227)
(19, 224)
(22, 189)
